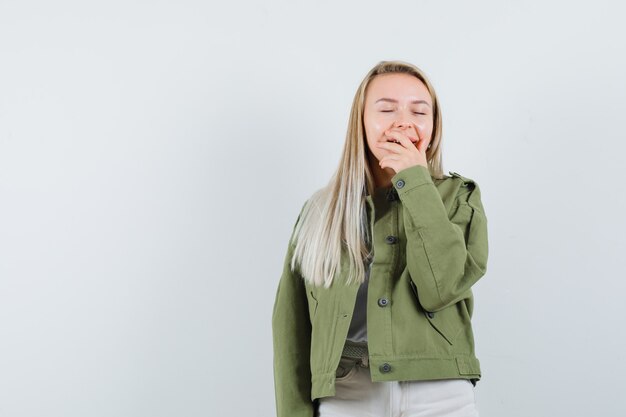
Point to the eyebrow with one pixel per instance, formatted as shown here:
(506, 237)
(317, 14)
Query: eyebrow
(391, 100)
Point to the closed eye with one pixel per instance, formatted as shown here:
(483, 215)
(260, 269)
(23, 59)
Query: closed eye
(388, 111)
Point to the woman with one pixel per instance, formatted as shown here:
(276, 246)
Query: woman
(372, 315)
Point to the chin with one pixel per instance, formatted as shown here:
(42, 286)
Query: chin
(381, 155)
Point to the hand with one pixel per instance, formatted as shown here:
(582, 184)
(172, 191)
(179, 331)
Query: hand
(404, 154)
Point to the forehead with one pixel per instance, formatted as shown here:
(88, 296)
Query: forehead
(397, 86)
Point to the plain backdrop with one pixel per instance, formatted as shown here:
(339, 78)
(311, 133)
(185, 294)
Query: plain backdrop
(154, 156)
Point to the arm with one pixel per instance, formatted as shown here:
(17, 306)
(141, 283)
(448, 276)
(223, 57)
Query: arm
(445, 255)
(291, 329)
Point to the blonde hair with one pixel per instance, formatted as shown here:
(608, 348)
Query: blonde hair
(334, 218)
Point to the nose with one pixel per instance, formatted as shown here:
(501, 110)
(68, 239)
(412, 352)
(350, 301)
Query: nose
(402, 124)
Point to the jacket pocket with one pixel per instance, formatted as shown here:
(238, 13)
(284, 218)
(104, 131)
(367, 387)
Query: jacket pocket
(312, 304)
(445, 321)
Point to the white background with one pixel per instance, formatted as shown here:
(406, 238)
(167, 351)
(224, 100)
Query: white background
(154, 156)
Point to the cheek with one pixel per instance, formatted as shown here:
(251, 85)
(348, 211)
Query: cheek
(425, 127)
(374, 126)
(376, 129)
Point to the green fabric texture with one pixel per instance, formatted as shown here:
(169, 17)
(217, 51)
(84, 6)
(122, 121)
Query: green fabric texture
(430, 248)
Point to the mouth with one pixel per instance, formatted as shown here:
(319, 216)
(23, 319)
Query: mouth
(396, 141)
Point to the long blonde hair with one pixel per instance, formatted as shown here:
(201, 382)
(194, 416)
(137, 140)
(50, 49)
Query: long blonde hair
(334, 218)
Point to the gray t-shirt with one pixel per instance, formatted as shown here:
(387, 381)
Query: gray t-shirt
(358, 325)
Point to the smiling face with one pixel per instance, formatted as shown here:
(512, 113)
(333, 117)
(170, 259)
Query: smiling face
(396, 101)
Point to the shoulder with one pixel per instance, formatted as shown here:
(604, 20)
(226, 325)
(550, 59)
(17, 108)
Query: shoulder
(467, 190)
(458, 189)
(457, 181)
(308, 208)
(452, 176)
(459, 176)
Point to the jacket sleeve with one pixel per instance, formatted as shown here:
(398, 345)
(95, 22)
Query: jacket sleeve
(446, 253)
(291, 329)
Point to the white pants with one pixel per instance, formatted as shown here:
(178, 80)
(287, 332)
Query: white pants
(356, 395)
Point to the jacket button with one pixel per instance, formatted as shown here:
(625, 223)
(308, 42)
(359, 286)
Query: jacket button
(385, 367)
(400, 183)
(430, 314)
(391, 239)
(383, 302)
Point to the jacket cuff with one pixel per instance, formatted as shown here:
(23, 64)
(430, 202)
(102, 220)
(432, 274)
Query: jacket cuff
(409, 178)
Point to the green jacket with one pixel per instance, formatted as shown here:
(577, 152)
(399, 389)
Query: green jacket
(430, 247)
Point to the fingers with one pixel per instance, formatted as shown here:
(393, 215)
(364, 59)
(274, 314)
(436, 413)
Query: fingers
(403, 141)
(405, 149)
(397, 134)
(422, 146)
